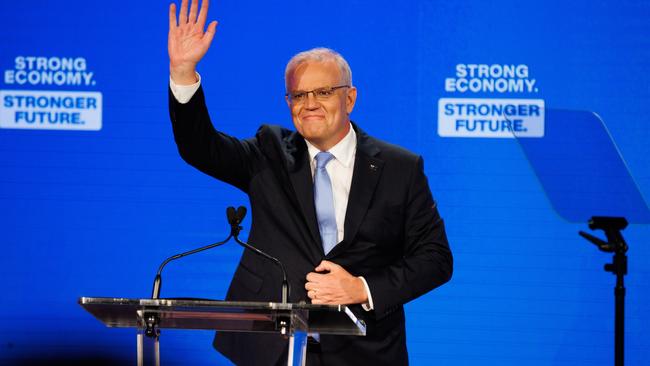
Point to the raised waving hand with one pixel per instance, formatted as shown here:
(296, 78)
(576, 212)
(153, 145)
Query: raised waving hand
(187, 41)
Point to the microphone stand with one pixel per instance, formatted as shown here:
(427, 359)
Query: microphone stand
(155, 293)
(235, 229)
(234, 218)
(615, 243)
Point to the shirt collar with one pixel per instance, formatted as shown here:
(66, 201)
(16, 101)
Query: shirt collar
(343, 151)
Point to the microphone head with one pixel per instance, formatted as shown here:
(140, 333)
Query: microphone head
(231, 215)
(241, 213)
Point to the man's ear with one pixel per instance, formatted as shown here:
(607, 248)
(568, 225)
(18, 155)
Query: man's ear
(350, 99)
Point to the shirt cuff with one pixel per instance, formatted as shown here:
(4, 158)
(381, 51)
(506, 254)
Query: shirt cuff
(183, 93)
(369, 305)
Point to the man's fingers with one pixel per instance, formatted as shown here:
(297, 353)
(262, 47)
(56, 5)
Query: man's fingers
(322, 266)
(314, 277)
(182, 17)
(209, 33)
(194, 6)
(203, 14)
(326, 266)
(318, 297)
(172, 16)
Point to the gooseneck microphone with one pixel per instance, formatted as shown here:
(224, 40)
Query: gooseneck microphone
(235, 217)
(157, 282)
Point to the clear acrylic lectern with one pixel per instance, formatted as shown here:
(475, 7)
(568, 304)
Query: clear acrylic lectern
(295, 321)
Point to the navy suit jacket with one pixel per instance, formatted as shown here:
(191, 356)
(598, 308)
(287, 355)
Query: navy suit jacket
(393, 234)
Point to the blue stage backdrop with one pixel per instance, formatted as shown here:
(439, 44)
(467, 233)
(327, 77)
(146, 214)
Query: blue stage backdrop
(94, 195)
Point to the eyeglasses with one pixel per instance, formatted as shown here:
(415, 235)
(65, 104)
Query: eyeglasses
(320, 94)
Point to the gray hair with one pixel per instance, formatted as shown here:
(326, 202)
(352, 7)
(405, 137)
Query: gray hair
(319, 54)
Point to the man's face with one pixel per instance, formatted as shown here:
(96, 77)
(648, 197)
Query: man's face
(324, 122)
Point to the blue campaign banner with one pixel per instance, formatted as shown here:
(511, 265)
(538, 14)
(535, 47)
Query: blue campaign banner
(94, 194)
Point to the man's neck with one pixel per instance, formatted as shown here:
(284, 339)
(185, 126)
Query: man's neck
(342, 150)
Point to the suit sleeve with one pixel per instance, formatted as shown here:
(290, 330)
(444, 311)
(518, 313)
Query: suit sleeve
(214, 153)
(426, 260)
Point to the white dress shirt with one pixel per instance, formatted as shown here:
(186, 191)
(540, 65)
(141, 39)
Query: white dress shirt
(339, 169)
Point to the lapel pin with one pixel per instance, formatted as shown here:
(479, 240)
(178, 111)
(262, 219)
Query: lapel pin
(373, 167)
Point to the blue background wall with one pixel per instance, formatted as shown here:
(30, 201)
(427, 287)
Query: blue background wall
(93, 213)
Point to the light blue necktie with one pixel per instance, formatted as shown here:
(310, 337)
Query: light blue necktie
(324, 200)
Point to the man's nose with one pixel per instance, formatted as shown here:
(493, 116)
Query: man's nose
(311, 102)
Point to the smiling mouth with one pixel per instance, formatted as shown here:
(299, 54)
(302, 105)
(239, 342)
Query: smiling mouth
(312, 117)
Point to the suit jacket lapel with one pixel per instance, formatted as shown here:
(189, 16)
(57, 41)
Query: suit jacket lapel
(303, 186)
(367, 170)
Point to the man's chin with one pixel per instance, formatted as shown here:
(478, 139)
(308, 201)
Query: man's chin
(312, 137)
(312, 132)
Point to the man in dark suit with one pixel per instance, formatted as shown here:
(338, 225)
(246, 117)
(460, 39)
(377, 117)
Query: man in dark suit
(351, 217)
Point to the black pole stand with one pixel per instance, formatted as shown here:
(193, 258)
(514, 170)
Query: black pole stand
(615, 243)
